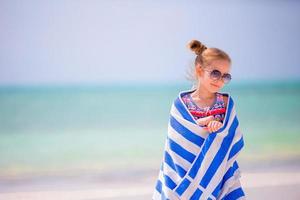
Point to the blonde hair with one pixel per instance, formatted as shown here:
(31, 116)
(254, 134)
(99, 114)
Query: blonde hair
(204, 57)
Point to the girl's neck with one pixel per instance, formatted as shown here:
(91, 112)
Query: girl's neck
(203, 94)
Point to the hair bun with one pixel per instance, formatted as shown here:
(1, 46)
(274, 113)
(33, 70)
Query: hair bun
(196, 47)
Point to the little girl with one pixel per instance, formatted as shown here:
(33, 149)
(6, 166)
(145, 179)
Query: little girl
(205, 103)
(197, 165)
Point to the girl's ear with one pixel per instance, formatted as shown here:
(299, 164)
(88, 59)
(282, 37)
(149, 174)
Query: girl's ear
(199, 70)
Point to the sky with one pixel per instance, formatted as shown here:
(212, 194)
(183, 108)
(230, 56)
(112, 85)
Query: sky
(78, 42)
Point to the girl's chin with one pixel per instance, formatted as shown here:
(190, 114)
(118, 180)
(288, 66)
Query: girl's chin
(214, 89)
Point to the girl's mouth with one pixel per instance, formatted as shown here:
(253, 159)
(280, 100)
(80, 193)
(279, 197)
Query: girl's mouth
(214, 85)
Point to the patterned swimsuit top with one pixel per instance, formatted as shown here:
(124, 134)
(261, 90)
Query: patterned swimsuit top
(218, 109)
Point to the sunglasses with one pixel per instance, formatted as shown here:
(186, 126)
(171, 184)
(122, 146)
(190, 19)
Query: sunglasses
(216, 75)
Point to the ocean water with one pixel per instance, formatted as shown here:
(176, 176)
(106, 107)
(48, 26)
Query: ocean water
(69, 128)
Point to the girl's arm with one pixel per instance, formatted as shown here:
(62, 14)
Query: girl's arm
(205, 120)
(209, 123)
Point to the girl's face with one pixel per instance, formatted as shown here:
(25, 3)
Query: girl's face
(204, 75)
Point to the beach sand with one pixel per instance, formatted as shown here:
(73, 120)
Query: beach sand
(267, 180)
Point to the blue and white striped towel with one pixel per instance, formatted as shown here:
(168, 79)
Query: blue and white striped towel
(198, 164)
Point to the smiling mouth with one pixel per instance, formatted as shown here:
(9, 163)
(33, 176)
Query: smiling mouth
(214, 85)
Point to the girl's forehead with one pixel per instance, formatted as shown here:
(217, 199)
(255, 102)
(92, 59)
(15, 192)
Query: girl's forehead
(222, 66)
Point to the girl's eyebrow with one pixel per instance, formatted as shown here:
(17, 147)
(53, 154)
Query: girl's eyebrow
(220, 71)
(211, 67)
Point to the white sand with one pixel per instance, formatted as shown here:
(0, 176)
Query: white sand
(274, 183)
(270, 184)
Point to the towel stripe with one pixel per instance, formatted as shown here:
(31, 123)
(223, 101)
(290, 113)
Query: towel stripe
(235, 194)
(180, 107)
(189, 125)
(163, 189)
(169, 182)
(236, 148)
(217, 189)
(183, 186)
(175, 167)
(181, 151)
(178, 159)
(196, 195)
(218, 159)
(158, 186)
(173, 175)
(194, 170)
(229, 173)
(186, 133)
(174, 135)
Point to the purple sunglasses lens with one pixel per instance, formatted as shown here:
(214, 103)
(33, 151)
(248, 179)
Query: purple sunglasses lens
(216, 74)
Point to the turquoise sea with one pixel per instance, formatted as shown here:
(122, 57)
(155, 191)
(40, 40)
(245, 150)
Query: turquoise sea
(59, 129)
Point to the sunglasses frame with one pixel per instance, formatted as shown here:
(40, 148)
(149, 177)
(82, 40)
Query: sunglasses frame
(220, 77)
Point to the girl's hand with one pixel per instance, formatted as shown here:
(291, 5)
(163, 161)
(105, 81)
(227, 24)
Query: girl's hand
(205, 120)
(214, 126)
